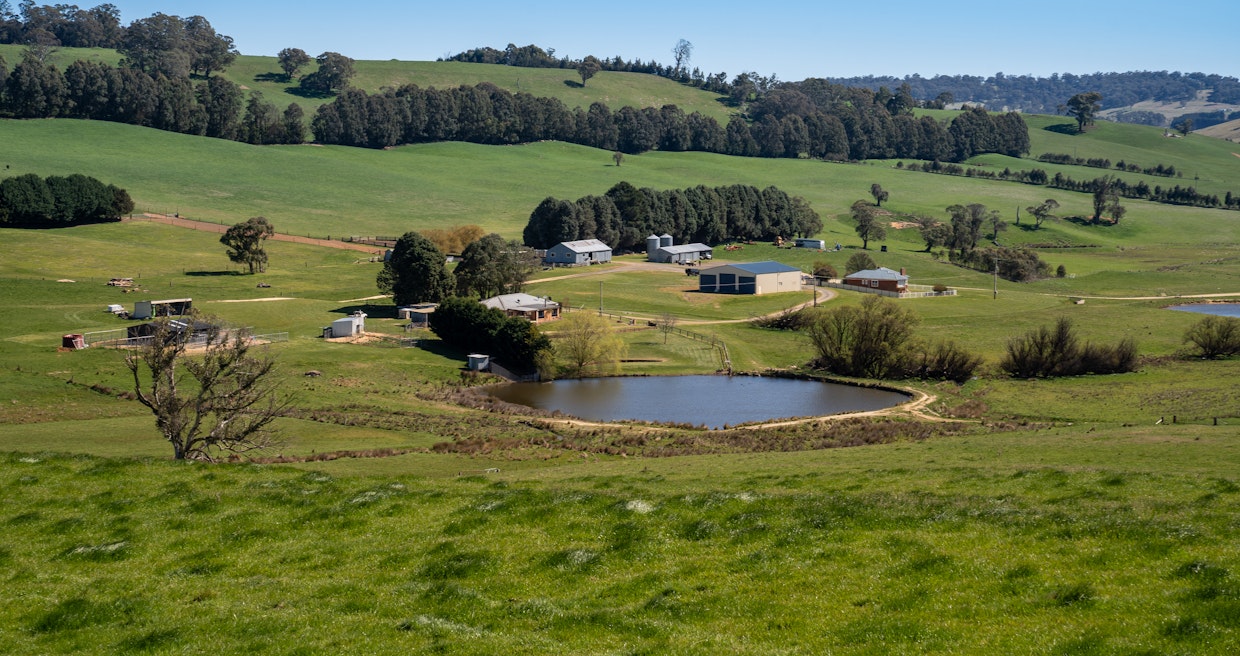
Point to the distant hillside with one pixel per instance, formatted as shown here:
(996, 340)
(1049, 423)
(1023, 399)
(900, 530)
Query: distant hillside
(1044, 95)
(1229, 131)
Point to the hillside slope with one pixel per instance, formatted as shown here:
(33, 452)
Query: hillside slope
(613, 89)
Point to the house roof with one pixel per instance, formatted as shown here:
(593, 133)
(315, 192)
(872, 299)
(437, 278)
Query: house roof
(520, 302)
(881, 273)
(686, 248)
(585, 246)
(768, 266)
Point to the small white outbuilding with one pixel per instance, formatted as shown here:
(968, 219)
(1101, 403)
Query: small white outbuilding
(350, 326)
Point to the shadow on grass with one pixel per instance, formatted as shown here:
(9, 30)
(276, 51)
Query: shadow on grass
(203, 274)
(438, 347)
(372, 311)
(272, 77)
(302, 92)
(572, 84)
(1062, 128)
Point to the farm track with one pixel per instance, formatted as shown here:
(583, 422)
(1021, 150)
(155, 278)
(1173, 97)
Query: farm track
(221, 229)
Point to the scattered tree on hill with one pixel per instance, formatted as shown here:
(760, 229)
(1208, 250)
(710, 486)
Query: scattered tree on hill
(333, 75)
(681, 52)
(868, 227)
(879, 194)
(1186, 126)
(934, 232)
(1042, 211)
(1083, 107)
(491, 266)
(586, 342)
(417, 272)
(617, 157)
(209, 50)
(967, 223)
(292, 60)
(245, 243)
(588, 68)
(1105, 197)
(860, 261)
(997, 224)
(1215, 337)
(222, 399)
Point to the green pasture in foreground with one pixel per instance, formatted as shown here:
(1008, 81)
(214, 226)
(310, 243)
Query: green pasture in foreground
(1059, 542)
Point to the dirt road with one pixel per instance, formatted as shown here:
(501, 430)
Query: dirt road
(221, 229)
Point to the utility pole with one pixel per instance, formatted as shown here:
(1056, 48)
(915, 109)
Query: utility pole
(996, 293)
(600, 298)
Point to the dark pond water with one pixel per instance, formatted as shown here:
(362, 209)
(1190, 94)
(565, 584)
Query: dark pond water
(1219, 309)
(699, 400)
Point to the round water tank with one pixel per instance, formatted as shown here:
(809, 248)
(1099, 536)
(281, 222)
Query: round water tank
(652, 244)
(665, 240)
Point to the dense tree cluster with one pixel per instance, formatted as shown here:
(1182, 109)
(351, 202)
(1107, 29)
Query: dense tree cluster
(841, 124)
(624, 216)
(30, 201)
(62, 25)
(94, 90)
(471, 327)
(416, 272)
(492, 266)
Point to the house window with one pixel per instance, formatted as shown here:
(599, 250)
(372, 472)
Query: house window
(873, 283)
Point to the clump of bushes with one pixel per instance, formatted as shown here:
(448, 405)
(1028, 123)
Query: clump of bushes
(875, 340)
(1215, 337)
(1049, 352)
(1015, 264)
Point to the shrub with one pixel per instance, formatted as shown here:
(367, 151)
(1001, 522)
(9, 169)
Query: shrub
(1061, 271)
(940, 288)
(945, 361)
(862, 340)
(1048, 352)
(1215, 337)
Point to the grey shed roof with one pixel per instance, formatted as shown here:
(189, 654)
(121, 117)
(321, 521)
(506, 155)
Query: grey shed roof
(765, 267)
(519, 302)
(586, 246)
(686, 248)
(881, 273)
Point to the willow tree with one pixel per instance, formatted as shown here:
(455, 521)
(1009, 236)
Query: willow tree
(587, 344)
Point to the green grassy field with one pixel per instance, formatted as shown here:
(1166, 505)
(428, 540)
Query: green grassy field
(1085, 515)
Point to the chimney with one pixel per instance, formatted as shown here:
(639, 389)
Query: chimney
(902, 271)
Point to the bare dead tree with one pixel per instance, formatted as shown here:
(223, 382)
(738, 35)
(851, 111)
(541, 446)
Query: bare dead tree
(667, 325)
(208, 392)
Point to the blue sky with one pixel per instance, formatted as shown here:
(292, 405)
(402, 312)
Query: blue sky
(793, 40)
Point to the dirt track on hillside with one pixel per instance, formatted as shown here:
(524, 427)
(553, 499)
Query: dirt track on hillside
(221, 229)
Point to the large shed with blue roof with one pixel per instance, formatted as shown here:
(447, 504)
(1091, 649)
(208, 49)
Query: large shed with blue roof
(750, 278)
